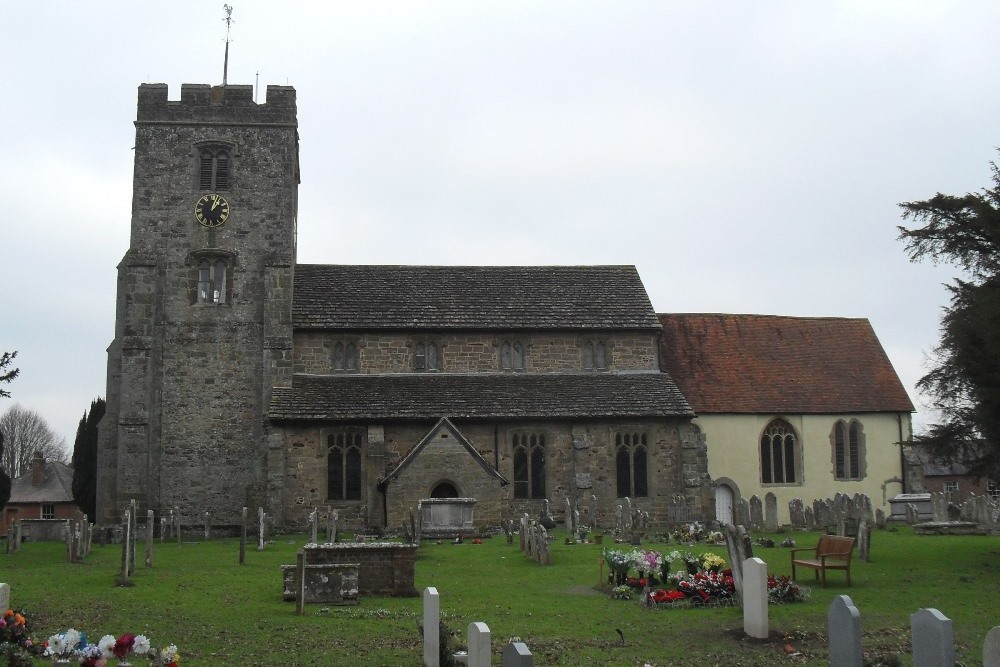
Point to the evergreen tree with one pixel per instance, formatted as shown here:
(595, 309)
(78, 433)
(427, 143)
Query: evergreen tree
(964, 380)
(85, 459)
(4, 479)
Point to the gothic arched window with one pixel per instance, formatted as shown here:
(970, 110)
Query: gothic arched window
(343, 465)
(529, 466)
(631, 465)
(779, 454)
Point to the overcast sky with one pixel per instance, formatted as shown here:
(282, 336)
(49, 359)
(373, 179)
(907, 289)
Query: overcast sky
(747, 157)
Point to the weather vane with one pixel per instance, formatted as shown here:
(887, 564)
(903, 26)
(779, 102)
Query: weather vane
(229, 23)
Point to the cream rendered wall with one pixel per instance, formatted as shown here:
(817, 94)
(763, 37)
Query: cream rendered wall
(734, 452)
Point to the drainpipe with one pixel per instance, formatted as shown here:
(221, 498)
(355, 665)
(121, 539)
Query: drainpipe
(496, 448)
(902, 456)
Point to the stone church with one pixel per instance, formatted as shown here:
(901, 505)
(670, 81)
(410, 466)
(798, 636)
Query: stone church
(238, 377)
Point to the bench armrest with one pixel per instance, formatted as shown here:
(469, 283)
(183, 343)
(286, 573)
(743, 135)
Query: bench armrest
(794, 551)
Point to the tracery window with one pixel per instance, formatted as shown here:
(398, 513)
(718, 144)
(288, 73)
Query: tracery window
(343, 464)
(529, 465)
(779, 454)
(631, 464)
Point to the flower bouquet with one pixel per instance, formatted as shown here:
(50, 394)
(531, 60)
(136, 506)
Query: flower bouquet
(64, 645)
(711, 562)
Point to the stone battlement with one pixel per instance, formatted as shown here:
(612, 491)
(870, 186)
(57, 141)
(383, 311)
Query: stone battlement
(224, 104)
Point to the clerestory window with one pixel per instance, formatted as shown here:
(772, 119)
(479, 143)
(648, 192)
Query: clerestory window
(595, 355)
(427, 355)
(511, 355)
(345, 355)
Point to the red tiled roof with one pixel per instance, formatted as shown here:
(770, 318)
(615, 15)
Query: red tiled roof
(774, 364)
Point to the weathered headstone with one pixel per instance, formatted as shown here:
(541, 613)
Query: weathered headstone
(516, 654)
(593, 513)
(627, 513)
(879, 519)
(932, 639)
(754, 596)
(314, 526)
(432, 629)
(770, 512)
(810, 518)
(126, 542)
(844, 626)
(569, 516)
(479, 644)
(243, 536)
(739, 548)
(864, 539)
(260, 528)
(991, 647)
(756, 513)
(163, 528)
(150, 522)
(4, 596)
(796, 513)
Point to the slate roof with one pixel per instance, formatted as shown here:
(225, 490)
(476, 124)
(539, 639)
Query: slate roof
(470, 297)
(57, 487)
(774, 364)
(433, 395)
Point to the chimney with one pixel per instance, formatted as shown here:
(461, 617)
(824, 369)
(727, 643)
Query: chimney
(37, 469)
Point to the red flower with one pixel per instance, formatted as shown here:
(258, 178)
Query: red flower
(123, 645)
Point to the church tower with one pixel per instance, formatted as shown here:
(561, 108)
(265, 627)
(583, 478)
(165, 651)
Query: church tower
(203, 319)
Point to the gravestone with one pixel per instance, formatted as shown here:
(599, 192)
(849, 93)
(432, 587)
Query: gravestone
(755, 598)
(932, 639)
(479, 644)
(796, 513)
(864, 539)
(208, 525)
(516, 654)
(243, 536)
(844, 624)
(4, 596)
(756, 513)
(569, 516)
(809, 518)
(627, 512)
(739, 549)
(742, 509)
(163, 528)
(314, 526)
(991, 647)
(432, 627)
(939, 507)
(593, 513)
(260, 528)
(879, 519)
(770, 512)
(149, 538)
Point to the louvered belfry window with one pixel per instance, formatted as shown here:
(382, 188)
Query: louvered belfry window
(214, 169)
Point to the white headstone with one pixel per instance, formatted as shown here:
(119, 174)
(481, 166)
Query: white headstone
(844, 625)
(432, 627)
(479, 644)
(932, 639)
(755, 598)
(4, 597)
(991, 647)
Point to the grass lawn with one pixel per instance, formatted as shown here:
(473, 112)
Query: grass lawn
(220, 613)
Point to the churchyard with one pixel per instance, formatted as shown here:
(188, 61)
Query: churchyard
(197, 595)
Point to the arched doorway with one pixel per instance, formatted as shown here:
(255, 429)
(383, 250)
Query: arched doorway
(444, 490)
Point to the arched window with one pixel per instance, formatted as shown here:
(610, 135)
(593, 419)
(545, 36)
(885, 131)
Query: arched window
(529, 466)
(343, 465)
(214, 168)
(631, 465)
(779, 454)
(213, 278)
(848, 450)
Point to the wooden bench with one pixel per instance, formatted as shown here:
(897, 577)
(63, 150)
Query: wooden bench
(832, 553)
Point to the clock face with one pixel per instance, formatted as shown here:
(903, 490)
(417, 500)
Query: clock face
(211, 210)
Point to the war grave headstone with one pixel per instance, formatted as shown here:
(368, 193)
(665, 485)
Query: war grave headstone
(755, 621)
(932, 639)
(844, 625)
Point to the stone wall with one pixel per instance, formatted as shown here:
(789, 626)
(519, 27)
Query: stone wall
(580, 462)
(464, 352)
